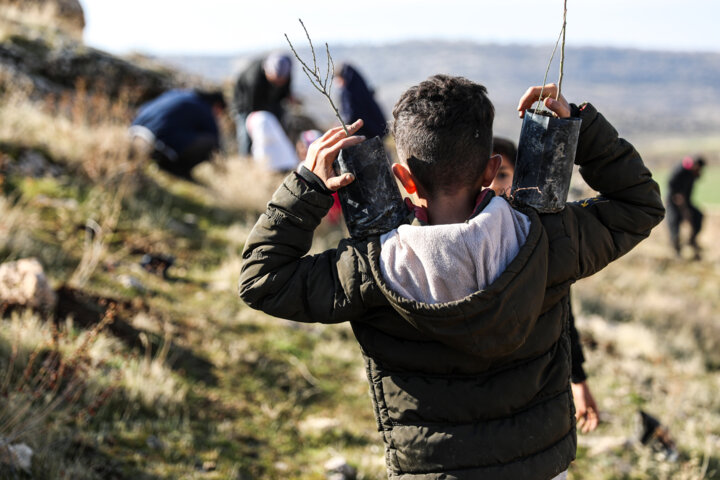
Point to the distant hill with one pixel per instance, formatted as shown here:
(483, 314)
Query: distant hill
(642, 92)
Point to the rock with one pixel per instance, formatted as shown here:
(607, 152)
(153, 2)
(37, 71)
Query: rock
(32, 163)
(53, 68)
(129, 281)
(23, 283)
(654, 434)
(18, 455)
(69, 13)
(157, 264)
(337, 468)
(155, 443)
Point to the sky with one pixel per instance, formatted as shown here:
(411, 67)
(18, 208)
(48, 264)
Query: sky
(221, 27)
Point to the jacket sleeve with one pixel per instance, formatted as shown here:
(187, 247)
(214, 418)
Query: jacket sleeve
(628, 206)
(577, 372)
(277, 275)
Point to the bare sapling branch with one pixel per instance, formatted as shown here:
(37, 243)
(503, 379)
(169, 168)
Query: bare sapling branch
(562, 50)
(547, 70)
(559, 41)
(324, 86)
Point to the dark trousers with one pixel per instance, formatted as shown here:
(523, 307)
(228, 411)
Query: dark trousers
(674, 217)
(200, 150)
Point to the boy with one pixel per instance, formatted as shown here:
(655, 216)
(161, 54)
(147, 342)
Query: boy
(462, 313)
(502, 183)
(586, 410)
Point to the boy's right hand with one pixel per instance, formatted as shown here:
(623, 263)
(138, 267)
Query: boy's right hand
(560, 107)
(323, 152)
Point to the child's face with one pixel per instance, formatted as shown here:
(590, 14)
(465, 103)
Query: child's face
(504, 177)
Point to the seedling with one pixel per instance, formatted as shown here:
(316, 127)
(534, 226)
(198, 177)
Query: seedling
(372, 204)
(546, 149)
(561, 41)
(324, 86)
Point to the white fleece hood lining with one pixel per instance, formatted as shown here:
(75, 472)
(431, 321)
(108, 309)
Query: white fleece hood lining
(443, 263)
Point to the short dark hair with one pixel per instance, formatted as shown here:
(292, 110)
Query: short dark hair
(506, 148)
(443, 128)
(212, 97)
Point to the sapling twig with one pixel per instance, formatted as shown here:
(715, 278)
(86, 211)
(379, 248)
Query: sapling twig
(314, 74)
(547, 70)
(562, 50)
(562, 58)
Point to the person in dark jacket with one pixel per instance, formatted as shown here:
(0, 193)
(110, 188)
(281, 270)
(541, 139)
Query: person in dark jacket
(586, 409)
(461, 314)
(680, 207)
(357, 100)
(180, 128)
(263, 86)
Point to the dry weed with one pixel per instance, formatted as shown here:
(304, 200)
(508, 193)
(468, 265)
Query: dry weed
(243, 184)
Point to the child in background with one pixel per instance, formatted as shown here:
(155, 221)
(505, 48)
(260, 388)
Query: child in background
(586, 410)
(461, 314)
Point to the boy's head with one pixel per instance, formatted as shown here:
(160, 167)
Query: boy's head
(504, 176)
(443, 132)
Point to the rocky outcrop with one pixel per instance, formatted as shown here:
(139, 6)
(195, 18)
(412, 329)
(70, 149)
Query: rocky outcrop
(51, 67)
(68, 13)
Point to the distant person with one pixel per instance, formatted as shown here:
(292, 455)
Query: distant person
(586, 409)
(680, 207)
(180, 128)
(264, 85)
(357, 101)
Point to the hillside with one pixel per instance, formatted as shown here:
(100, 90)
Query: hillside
(647, 94)
(128, 372)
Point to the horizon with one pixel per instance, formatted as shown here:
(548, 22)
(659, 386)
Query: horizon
(439, 41)
(223, 27)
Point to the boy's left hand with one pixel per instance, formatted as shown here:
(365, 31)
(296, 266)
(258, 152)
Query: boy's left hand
(323, 152)
(559, 106)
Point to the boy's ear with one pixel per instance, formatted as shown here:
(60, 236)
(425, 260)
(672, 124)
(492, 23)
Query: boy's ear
(491, 169)
(406, 178)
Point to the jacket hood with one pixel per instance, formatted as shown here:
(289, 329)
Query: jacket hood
(488, 322)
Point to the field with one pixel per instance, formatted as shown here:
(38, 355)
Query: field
(139, 375)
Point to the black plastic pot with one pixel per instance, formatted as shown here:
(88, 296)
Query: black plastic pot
(546, 154)
(372, 204)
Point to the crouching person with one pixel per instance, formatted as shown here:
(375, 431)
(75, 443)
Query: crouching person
(461, 314)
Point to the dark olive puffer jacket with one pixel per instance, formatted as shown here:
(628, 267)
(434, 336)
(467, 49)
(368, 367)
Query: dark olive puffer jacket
(479, 387)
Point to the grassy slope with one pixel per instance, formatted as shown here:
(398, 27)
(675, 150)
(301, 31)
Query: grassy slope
(649, 325)
(242, 395)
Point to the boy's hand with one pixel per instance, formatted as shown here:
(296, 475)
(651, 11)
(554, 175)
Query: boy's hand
(561, 107)
(586, 410)
(323, 152)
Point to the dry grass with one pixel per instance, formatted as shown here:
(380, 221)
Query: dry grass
(239, 183)
(48, 379)
(65, 127)
(649, 321)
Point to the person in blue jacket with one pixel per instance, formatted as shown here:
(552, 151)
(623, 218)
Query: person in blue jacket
(180, 127)
(357, 101)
